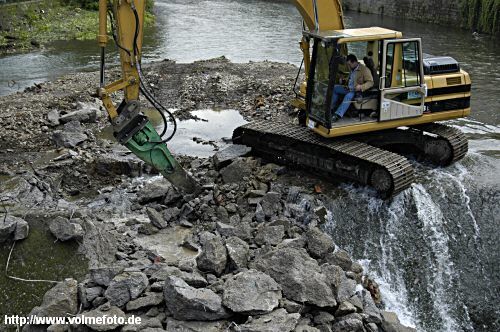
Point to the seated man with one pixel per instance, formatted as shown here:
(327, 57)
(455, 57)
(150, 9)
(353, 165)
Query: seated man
(360, 79)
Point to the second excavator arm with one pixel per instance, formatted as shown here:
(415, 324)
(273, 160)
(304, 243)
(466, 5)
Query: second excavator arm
(131, 127)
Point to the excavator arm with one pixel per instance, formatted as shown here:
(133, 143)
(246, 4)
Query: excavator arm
(131, 127)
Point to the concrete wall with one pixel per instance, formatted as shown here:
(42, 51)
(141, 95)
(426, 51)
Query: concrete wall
(432, 11)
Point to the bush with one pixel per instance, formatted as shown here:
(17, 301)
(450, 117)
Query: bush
(94, 4)
(482, 15)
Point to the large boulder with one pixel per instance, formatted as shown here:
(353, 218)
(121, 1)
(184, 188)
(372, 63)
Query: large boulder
(237, 170)
(391, 323)
(298, 274)
(154, 190)
(278, 320)
(59, 301)
(156, 218)
(213, 255)
(348, 325)
(81, 115)
(269, 235)
(7, 228)
(226, 156)
(194, 278)
(271, 203)
(188, 303)
(341, 258)
(125, 287)
(64, 229)
(71, 136)
(148, 300)
(22, 229)
(251, 292)
(318, 243)
(103, 275)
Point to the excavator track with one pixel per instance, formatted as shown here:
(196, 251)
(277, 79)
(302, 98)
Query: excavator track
(456, 140)
(388, 172)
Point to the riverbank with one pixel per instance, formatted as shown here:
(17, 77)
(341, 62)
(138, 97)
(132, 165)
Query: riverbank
(248, 254)
(28, 26)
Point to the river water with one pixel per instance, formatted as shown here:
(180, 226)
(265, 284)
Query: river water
(434, 248)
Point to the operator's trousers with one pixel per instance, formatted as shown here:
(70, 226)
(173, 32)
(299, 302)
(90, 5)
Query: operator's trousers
(340, 90)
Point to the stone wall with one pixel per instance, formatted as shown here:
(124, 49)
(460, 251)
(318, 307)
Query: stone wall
(432, 11)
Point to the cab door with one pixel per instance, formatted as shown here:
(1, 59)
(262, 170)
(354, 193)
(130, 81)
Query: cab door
(402, 83)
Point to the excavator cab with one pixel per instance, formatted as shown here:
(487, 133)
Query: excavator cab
(396, 64)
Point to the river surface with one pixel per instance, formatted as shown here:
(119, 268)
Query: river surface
(434, 248)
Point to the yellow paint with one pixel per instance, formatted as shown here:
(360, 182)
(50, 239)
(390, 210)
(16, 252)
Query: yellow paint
(329, 14)
(364, 127)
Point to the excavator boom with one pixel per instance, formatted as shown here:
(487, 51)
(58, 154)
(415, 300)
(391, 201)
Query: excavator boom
(131, 127)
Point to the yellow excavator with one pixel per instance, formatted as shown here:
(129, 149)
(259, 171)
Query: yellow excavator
(412, 91)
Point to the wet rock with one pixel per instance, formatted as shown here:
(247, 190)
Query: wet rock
(59, 301)
(341, 258)
(125, 287)
(82, 115)
(53, 118)
(170, 215)
(251, 292)
(223, 158)
(318, 243)
(108, 311)
(369, 308)
(71, 136)
(271, 204)
(391, 323)
(64, 229)
(183, 326)
(149, 300)
(237, 252)
(188, 303)
(278, 320)
(372, 327)
(118, 164)
(147, 229)
(348, 325)
(269, 235)
(213, 254)
(103, 275)
(236, 171)
(154, 190)
(299, 276)
(193, 279)
(156, 218)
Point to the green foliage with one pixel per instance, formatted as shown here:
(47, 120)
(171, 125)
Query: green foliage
(94, 4)
(482, 15)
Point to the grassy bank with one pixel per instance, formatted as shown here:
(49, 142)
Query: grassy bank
(25, 26)
(482, 15)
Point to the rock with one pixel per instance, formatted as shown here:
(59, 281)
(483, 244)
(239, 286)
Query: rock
(269, 235)
(193, 279)
(147, 229)
(125, 287)
(346, 289)
(298, 274)
(82, 115)
(278, 320)
(305, 328)
(156, 218)
(64, 229)
(225, 230)
(391, 323)
(71, 136)
(171, 214)
(236, 171)
(118, 164)
(345, 308)
(149, 300)
(318, 243)
(154, 190)
(372, 327)
(237, 252)
(213, 254)
(323, 318)
(7, 228)
(223, 158)
(103, 275)
(369, 308)
(92, 292)
(291, 306)
(251, 292)
(106, 324)
(341, 258)
(271, 204)
(348, 325)
(334, 274)
(183, 326)
(53, 118)
(59, 301)
(188, 303)
(356, 268)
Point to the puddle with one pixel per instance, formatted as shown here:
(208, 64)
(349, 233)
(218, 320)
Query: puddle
(36, 257)
(167, 244)
(208, 134)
